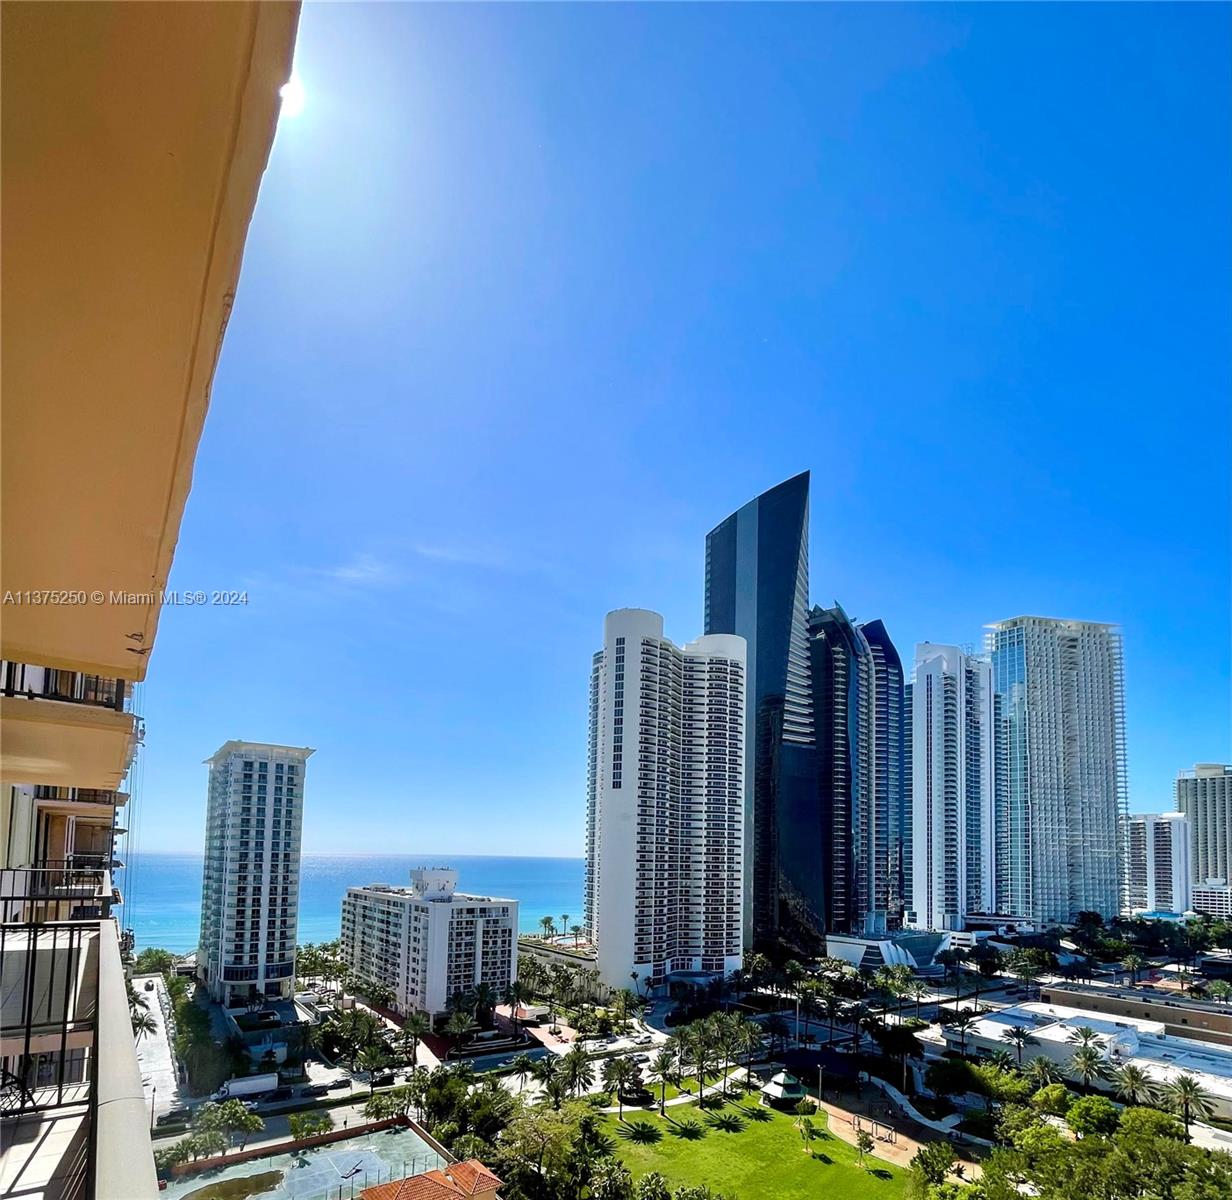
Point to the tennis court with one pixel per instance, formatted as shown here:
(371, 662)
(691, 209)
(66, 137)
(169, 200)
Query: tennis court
(336, 1171)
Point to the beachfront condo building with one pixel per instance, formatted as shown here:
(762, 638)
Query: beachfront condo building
(952, 787)
(135, 137)
(1060, 805)
(250, 882)
(1204, 795)
(665, 810)
(429, 942)
(1157, 867)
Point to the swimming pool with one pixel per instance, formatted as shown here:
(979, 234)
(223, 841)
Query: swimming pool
(336, 1171)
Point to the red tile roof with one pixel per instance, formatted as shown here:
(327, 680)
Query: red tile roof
(470, 1178)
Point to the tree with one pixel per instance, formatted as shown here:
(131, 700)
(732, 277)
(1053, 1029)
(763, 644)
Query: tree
(610, 1179)
(961, 1020)
(1041, 1071)
(1087, 1064)
(1054, 1099)
(1084, 1035)
(1133, 963)
(516, 995)
(662, 1072)
(934, 1161)
(548, 927)
(522, 1065)
(457, 1027)
(245, 1125)
(576, 1070)
(1185, 1096)
(414, 1028)
(864, 1144)
(1134, 1085)
(1092, 1115)
(1019, 1036)
(576, 930)
(309, 1124)
(1220, 990)
(153, 961)
(621, 1075)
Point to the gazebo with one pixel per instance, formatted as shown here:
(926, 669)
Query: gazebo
(783, 1089)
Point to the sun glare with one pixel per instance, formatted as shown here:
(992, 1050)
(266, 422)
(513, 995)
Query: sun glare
(292, 93)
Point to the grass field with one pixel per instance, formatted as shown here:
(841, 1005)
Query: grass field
(764, 1158)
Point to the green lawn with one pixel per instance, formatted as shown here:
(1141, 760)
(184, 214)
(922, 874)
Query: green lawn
(763, 1159)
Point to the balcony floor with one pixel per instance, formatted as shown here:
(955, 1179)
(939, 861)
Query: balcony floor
(41, 1152)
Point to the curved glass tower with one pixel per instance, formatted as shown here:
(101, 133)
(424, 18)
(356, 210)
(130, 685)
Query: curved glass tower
(757, 587)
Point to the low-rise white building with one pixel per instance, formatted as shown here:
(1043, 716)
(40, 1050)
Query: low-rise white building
(429, 941)
(1120, 1040)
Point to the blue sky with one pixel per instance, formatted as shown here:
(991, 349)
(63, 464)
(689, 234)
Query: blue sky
(535, 296)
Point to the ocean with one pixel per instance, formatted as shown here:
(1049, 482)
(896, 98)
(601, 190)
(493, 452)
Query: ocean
(162, 892)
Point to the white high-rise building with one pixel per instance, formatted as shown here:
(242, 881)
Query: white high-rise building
(1204, 795)
(250, 888)
(429, 942)
(1060, 804)
(665, 814)
(951, 788)
(1157, 874)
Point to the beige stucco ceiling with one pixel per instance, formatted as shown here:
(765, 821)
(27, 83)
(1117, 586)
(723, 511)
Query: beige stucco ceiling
(132, 145)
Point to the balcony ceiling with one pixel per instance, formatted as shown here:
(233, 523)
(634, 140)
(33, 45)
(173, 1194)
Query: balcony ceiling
(64, 745)
(132, 144)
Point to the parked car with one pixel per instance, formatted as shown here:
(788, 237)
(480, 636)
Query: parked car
(174, 1116)
(315, 1089)
(384, 1079)
(279, 1094)
(338, 1084)
(149, 985)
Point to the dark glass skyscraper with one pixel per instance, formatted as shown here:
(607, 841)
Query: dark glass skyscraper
(858, 706)
(757, 587)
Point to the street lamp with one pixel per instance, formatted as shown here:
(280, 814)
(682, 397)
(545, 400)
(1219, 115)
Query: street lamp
(153, 1094)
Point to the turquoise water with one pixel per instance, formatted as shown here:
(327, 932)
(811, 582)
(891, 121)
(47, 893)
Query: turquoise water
(162, 892)
(326, 1172)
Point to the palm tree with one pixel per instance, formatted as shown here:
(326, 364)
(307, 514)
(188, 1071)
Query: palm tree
(576, 930)
(727, 1039)
(515, 995)
(917, 991)
(1133, 963)
(1186, 1097)
(576, 1070)
(413, 1029)
(1087, 1064)
(962, 1020)
(1134, 1085)
(530, 973)
(832, 1007)
(1041, 1071)
(1084, 1035)
(662, 1072)
(136, 1001)
(1019, 1036)
(1221, 989)
(143, 1023)
(483, 1003)
(546, 924)
(457, 1027)
(619, 1075)
(521, 1067)
(564, 922)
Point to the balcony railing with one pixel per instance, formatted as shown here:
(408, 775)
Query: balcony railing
(68, 687)
(66, 1044)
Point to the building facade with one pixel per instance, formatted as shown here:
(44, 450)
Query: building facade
(1157, 872)
(665, 810)
(951, 788)
(859, 841)
(429, 942)
(1204, 795)
(757, 589)
(250, 882)
(1061, 788)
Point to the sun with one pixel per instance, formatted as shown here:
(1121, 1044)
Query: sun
(292, 93)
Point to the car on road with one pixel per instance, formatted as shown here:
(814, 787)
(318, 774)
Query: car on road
(384, 1079)
(279, 1095)
(315, 1089)
(173, 1116)
(338, 1084)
